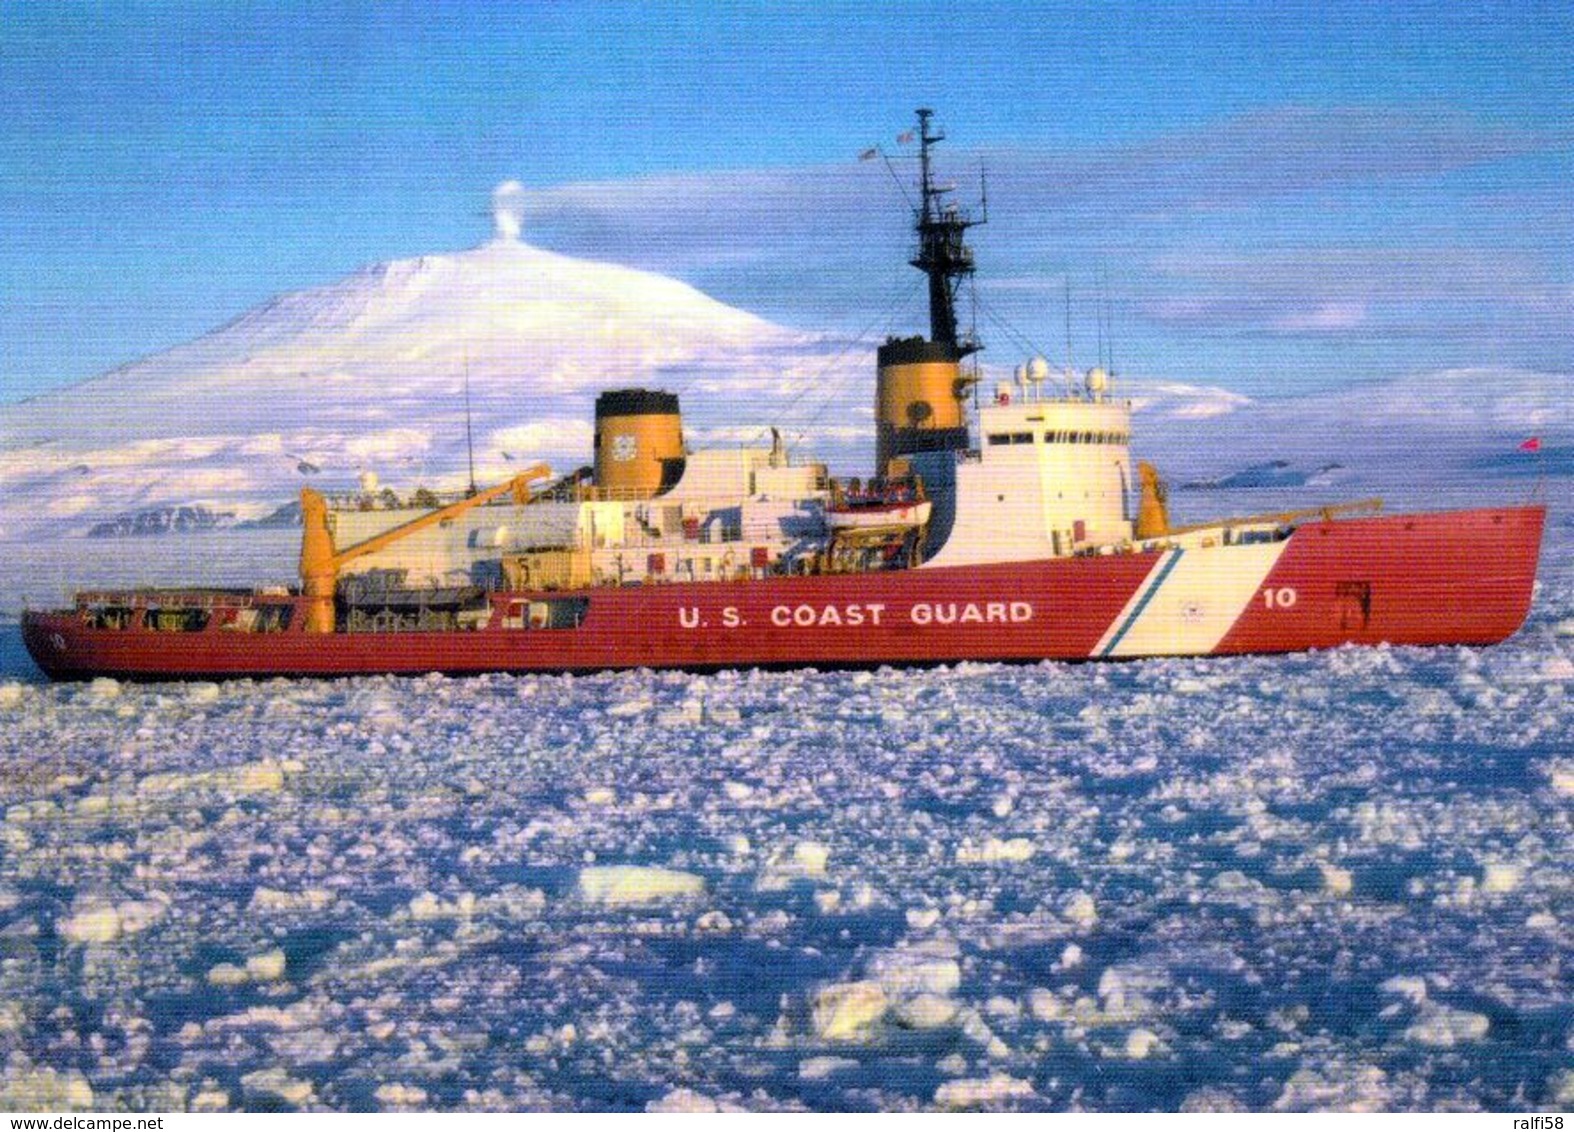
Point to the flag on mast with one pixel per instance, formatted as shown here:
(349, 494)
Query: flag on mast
(869, 154)
(905, 138)
(1531, 445)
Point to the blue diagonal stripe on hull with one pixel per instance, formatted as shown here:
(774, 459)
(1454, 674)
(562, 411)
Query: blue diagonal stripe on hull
(1164, 572)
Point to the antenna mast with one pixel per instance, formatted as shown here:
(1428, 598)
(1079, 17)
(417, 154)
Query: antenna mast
(943, 254)
(469, 441)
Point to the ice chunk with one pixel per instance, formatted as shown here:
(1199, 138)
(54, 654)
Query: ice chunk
(683, 1100)
(995, 851)
(137, 915)
(1140, 1043)
(277, 1082)
(922, 919)
(93, 923)
(1343, 1089)
(636, 884)
(1126, 990)
(982, 1092)
(819, 1068)
(1080, 909)
(210, 1099)
(267, 967)
(806, 862)
(1501, 876)
(926, 1011)
(10, 694)
(396, 1095)
(1410, 987)
(275, 900)
(629, 708)
(259, 778)
(1045, 1005)
(928, 968)
(1446, 1027)
(1561, 1089)
(845, 1011)
(227, 975)
(1070, 956)
(1336, 881)
(1560, 776)
(1557, 668)
(44, 1090)
(810, 858)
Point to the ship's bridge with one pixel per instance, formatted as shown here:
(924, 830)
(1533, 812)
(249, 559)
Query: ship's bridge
(1051, 476)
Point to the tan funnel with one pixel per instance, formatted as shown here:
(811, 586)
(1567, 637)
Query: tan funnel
(639, 443)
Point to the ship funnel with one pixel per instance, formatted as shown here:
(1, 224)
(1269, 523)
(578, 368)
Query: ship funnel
(918, 399)
(639, 442)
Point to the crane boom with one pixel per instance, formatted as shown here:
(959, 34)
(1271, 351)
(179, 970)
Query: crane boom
(321, 560)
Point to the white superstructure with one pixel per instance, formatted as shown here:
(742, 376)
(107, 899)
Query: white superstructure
(1051, 476)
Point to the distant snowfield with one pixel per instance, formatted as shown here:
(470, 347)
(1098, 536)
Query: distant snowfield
(1337, 880)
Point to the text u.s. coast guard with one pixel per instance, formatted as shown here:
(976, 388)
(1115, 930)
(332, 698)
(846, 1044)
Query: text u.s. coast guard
(808, 615)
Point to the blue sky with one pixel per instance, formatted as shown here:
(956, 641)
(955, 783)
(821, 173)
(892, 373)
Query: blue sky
(1274, 198)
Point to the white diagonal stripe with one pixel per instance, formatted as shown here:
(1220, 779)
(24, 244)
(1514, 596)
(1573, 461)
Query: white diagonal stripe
(1192, 609)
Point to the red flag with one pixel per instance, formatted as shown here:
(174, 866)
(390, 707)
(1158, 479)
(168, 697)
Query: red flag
(905, 138)
(869, 154)
(1531, 445)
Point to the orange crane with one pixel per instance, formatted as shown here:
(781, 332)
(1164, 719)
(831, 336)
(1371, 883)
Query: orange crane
(321, 560)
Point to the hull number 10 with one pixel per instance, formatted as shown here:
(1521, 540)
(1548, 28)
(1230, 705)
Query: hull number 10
(1280, 597)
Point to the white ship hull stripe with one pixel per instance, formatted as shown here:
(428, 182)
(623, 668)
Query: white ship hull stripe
(1139, 601)
(1190, 601)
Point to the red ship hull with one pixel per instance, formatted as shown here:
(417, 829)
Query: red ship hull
(1460, 577)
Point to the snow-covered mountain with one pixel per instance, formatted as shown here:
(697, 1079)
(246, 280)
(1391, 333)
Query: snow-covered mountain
(369, 373)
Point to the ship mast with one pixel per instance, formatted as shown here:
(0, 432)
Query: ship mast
(920, 387)
(943, 254)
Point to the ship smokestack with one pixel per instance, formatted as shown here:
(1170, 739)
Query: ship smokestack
(639, 443)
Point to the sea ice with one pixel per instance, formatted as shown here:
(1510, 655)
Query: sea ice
(93, 923)
(1446, 1026)
(1140, 1043)
(636, 884)
(846, 1011)
(399, 1096)
(995, 851)
(819, 1068)
(684, 1100)
(983, 1092)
